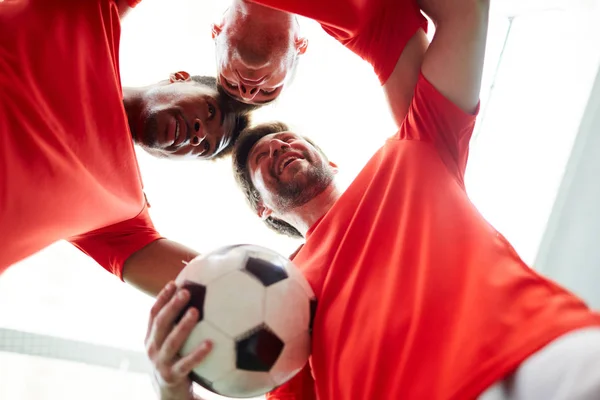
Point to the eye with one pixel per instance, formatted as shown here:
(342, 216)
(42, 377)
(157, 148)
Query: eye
(206, 146)
(212, 111)
(260, 156)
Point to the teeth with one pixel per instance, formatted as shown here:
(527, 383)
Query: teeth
(176, 132)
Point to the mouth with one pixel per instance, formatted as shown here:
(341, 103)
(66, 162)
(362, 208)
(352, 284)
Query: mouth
(252, 82)
(176, 131)
(285, 160)
(181, 132)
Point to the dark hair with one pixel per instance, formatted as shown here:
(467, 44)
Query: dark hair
(239, 111)
(241, 152)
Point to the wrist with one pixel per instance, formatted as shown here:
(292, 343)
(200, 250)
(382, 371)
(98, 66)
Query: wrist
(177, 394)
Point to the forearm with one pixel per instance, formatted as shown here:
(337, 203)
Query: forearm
(152, 267)
(189, 396)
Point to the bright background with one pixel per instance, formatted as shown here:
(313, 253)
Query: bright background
(541, 61)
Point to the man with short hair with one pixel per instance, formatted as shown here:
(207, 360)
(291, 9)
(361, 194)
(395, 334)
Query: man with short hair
(258, 44)
(68, 169)
(419, 297)
(184, 117)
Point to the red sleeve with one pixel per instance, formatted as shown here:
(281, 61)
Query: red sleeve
(389, 27)
(375, 30)
(342, 18)
(435, 119)
(113, 245)
(300, 387)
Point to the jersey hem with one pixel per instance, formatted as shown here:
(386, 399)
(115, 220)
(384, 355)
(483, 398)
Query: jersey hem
(497, 371)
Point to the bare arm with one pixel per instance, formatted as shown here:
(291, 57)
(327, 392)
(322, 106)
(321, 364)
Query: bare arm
(454, 61)
(400, 86)
(152, 267)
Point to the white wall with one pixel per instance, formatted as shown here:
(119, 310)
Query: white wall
(570, 250)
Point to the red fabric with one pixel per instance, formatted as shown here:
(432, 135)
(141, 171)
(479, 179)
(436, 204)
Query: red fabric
(67, 163)
(418, 296)
(111, 246)
(376, 30)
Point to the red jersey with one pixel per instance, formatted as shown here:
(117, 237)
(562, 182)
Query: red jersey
(376, 30)
(67, 162)
(418, 296)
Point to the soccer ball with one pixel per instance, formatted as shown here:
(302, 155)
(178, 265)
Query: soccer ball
(256, 307)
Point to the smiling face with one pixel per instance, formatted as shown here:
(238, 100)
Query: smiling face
(182, 118)
(287, 171)
(256, 55)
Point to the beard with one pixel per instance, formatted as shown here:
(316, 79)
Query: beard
(298, 192)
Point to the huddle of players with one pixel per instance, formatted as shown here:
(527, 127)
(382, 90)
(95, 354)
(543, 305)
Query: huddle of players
(418, 296)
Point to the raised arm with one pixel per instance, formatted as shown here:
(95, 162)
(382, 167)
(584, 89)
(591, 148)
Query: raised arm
(400, 86)
(453, 63)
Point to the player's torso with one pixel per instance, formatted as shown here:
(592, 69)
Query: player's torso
(407, 275)
(67, 160)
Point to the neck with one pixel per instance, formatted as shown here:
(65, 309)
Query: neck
(133, 107)
(305, 216)
(266, 15)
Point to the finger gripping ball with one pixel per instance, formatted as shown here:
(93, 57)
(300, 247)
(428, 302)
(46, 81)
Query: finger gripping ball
(256, 308)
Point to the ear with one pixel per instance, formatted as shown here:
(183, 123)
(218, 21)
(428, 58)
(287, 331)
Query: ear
(216, 30)
(181, 76)
(263, 211)
(334, 167)
(301, 45)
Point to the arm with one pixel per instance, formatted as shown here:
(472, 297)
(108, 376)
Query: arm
(135, 252)
(150, 268)
(445, 103)
(454, 61)
(400, 86)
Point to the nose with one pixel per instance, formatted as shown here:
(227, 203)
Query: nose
(276, 146)
(248, 92)
(198, 135)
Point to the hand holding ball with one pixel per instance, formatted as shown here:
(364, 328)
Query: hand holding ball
(256, 308)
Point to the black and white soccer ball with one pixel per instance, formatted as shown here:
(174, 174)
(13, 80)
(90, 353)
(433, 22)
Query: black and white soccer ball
(256, 307)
